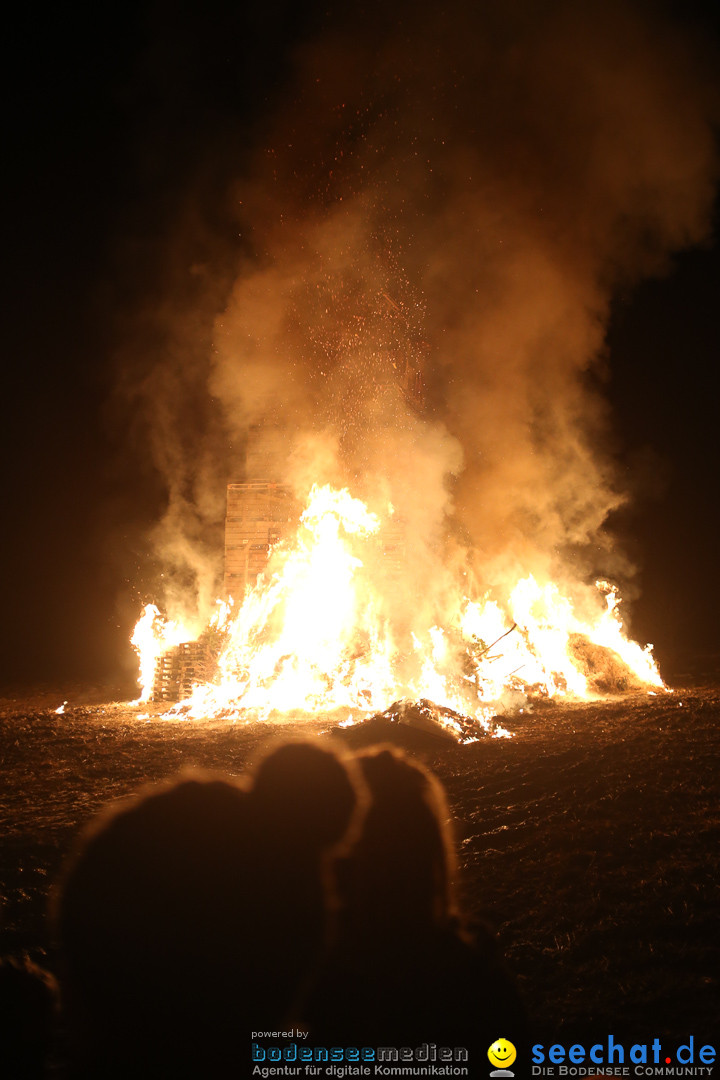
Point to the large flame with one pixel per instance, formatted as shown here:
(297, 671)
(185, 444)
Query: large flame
(317, 634)
(152, 636)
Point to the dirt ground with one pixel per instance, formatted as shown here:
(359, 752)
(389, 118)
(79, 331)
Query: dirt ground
(589, 840)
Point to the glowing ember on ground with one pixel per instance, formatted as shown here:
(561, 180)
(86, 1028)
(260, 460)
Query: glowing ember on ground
(324, 630)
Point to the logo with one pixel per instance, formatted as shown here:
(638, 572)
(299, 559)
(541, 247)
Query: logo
(501, 1054)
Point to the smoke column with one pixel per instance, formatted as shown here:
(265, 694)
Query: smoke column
(456, 191)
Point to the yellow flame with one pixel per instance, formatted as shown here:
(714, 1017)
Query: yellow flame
(153, 635)
(609, 632)
(316, 633)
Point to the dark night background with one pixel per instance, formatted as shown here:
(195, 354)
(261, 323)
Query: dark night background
(113, 117)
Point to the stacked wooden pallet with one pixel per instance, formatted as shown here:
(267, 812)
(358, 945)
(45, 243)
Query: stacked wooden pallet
(259, 514)
(180, 668)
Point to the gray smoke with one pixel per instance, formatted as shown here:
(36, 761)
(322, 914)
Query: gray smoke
(458, 192)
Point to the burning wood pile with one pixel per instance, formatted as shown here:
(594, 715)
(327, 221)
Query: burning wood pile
(325, 627)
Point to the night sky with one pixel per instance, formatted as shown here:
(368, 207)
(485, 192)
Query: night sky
(124, 131)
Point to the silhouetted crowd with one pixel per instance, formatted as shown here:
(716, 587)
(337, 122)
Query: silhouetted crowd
(319, 895)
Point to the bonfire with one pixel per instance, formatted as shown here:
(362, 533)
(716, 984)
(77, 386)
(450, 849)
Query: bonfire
(319, 633)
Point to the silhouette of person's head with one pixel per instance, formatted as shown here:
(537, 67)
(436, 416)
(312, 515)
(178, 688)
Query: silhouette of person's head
(304, 801)
(401, 868)
(305, 795)
(147, 920)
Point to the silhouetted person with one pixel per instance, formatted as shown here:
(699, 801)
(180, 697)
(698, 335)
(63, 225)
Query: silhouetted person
(152, 971)
(303, 801)
(402, 972)
(192, 912)
(28, 999)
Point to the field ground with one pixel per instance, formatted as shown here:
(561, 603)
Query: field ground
(591, 840)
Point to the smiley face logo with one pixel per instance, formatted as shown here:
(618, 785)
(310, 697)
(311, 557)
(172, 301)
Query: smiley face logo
(502, 1053)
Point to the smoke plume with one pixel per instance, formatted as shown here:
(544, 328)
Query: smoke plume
(437, 219)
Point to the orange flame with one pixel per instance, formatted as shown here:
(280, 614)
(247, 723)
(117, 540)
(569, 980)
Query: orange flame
(316, 634)
(152, 636)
